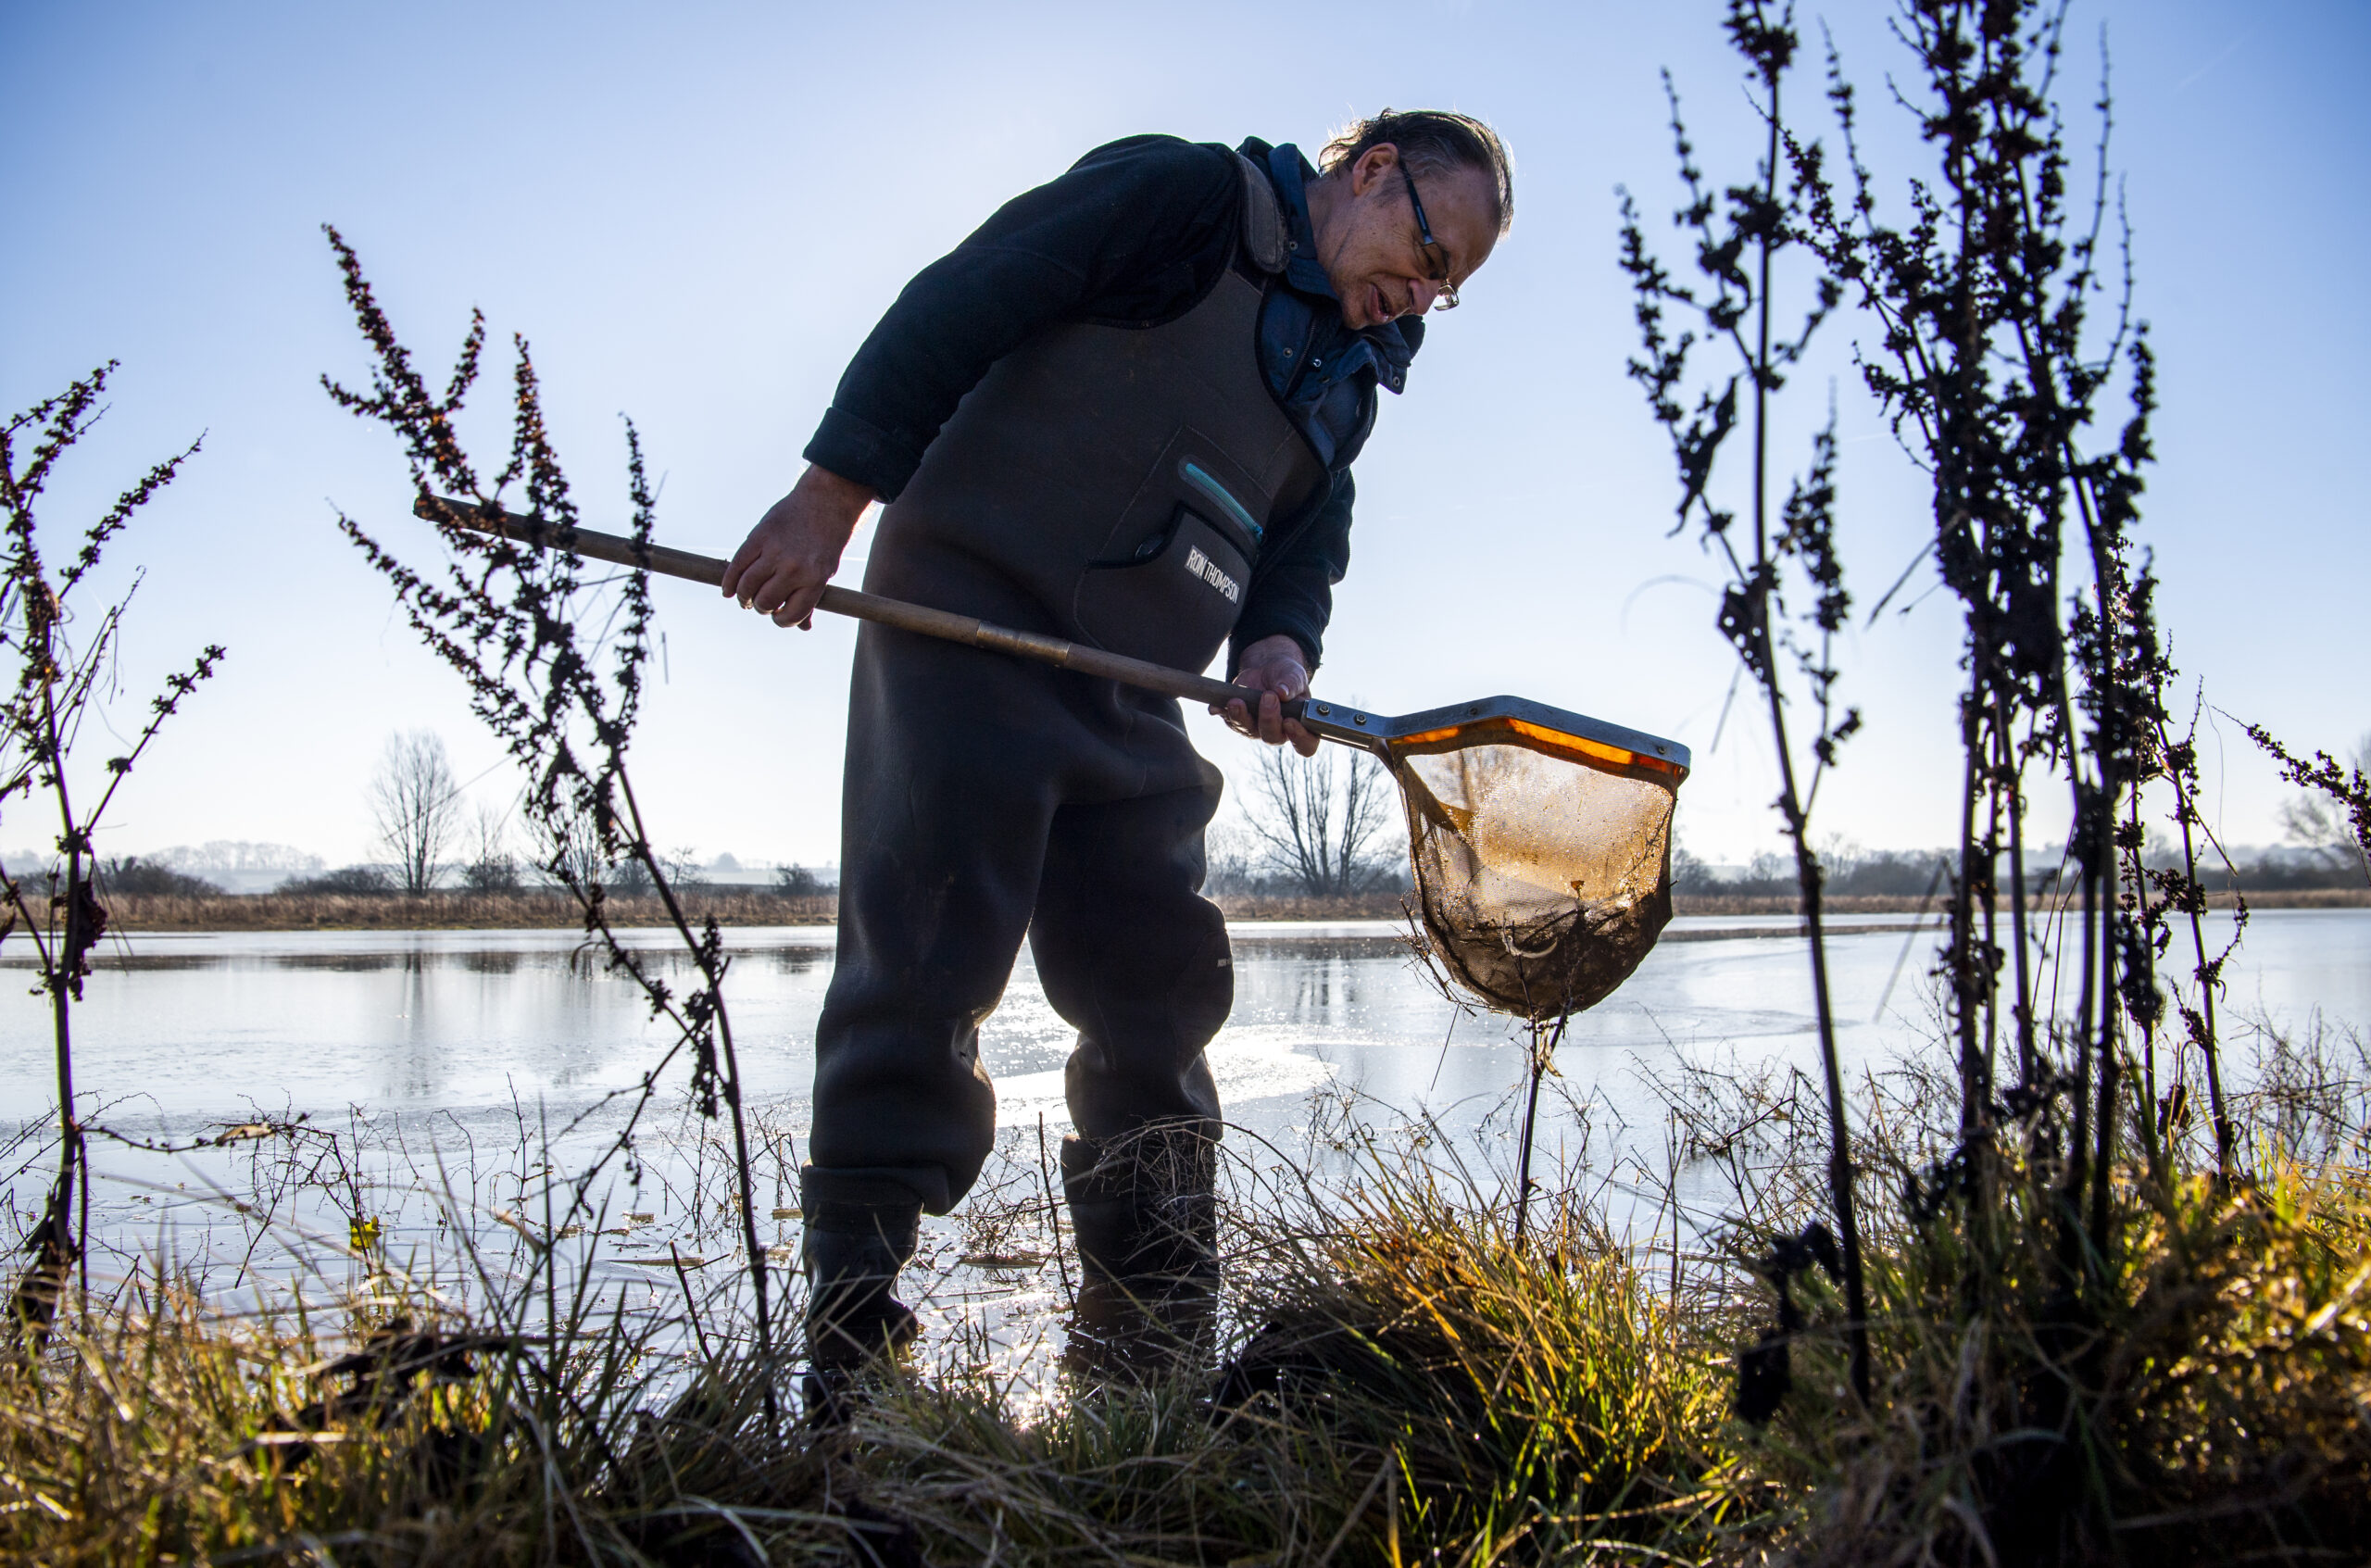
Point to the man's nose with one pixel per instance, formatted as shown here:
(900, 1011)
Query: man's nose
(1420, 297)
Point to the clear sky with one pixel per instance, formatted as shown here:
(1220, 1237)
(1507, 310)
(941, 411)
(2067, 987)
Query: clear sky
(696, 212)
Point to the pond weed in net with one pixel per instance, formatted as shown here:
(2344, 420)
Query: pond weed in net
(1543, 872)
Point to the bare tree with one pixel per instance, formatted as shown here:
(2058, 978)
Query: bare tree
(491, 868)
(799, 882)
(684, 868)
(416, 806)
(1317, 819)
(568, 847)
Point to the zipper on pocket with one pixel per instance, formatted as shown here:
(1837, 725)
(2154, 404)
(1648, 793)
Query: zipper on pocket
(1230, 509)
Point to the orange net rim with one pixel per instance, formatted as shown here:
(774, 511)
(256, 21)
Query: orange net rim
(1536, 737)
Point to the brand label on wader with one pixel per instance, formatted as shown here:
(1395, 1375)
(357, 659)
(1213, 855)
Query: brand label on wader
(1206, 570)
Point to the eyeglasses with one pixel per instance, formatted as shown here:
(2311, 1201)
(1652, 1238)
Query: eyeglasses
(1436, 253)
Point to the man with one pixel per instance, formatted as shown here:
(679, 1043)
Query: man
(1124, 412)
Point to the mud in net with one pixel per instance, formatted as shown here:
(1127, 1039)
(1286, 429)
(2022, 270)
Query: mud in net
(1542, 858)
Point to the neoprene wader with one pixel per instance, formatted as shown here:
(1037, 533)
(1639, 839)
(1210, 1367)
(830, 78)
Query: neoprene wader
(855, 1243)
(1110, 484)
(1144, 1211)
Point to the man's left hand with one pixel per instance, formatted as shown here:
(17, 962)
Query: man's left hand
(1276, 670)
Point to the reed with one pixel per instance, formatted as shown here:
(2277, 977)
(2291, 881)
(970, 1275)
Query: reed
(555, 666)
(1784, 600)
(158, 912)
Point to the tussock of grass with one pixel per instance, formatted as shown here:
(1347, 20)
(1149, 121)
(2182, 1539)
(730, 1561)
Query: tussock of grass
(2243, 1377)
(1547, 1393)
(1411, 1378)
(2205, 1397)
(1407, 1387)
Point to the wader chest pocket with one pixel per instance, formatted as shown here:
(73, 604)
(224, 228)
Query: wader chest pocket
(1173, 601)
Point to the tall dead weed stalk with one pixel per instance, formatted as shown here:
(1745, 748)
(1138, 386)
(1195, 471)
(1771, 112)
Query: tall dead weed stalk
(65, 653)
(554, 666)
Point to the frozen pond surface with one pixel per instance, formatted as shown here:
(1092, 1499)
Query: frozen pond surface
(427, 1053)
(180, 1030)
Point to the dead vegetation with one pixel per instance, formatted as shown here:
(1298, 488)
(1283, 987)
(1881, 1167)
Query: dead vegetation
(136, 912)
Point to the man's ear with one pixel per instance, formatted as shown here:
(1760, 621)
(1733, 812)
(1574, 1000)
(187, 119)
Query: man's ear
(1373, 165)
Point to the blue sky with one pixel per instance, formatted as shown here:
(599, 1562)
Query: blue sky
(695, 212)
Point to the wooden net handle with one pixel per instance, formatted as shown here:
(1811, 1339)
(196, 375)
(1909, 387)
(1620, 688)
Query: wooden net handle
(919, 618)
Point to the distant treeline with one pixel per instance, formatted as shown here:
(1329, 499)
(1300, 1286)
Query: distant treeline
(130, 875)
(448, 910)
(1911, 873)
(1882, 873)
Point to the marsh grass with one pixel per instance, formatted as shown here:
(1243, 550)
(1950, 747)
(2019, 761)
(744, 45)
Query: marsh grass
(154, 913)
(2209, 1407)
(1401, 1373)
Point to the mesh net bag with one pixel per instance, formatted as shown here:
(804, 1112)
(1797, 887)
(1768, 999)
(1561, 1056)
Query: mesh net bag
(1542, 860)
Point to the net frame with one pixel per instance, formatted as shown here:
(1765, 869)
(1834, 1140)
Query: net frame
(1380, 732)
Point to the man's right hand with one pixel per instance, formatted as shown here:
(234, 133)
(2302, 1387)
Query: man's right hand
(780, 569)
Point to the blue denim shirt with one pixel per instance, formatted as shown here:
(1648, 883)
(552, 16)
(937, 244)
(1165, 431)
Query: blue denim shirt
(1322, 373)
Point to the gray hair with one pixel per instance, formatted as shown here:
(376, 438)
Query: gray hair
(1430, 141)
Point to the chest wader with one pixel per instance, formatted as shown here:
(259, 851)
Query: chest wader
(1110, 485)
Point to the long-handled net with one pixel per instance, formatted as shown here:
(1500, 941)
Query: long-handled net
(1540, 839)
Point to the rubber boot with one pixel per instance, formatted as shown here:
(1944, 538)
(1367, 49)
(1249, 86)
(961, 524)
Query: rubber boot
(858, 1234)
(1144, 1214)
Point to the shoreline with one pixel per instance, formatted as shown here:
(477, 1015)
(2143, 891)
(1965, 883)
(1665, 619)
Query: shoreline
(498, 911)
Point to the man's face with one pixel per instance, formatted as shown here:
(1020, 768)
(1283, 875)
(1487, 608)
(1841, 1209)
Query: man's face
(1373, 248)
